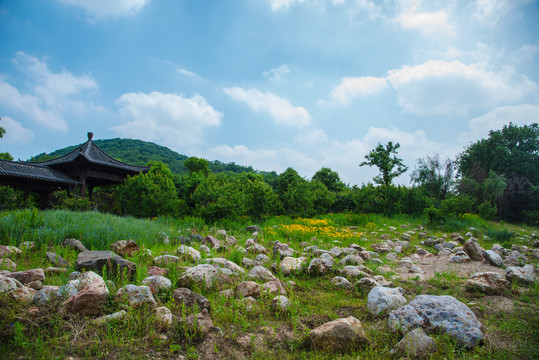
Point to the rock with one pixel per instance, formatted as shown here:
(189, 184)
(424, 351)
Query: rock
(92, 293)
(515, 258)
(280, 304)
(157, 283)
(165, 259)
(163, 237)
(248, 263)
(205, 249)
(391, 256)
(339, 335)
(252, 228)
(274, 287)
(46, 294)
(416, 344)
(282, 250)
(493, 258)
(211, 242)
(351, 259)
(366, 284)
(342, 283)
(190, 252)
(231, 240)
(201, 275)
(260, 273)
(319, 266)
(157, 271)
(163, 317)
(246, 289)
(473, 249)
(257, 249)
(97, 260)
(7, 264)
(135, 295)
(336, 252)
(227, 264)
(190, 299)
(74, 244)
(15, 289)
(56, 259)
(291, 265)
(439, 314)
(36, 285)
(384, 299)
(352, 272)
(262, 259)
(524, 275)
(108, 318)
(490, 283)
(28, 276)
(198, 324)
(125, 247)
(5, 251)
(459, 258)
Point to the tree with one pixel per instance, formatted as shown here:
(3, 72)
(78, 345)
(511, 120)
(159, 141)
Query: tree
(435, 177)
(390, 166)
(330, 179)
(195, 165)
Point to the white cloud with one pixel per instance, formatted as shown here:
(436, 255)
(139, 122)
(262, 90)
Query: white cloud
(440, 87)
(433, 22)
(311, 137)
(526, 53)
(170, 119)
(187, 73)
(277, 5)
(100, 9)
(490, 12)
(16, 133)
(495, 119)
(351, 87)
(261, 159)
(277, 75)
(279, 108)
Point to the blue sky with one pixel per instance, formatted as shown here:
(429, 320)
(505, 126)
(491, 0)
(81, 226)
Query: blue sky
(269, 83)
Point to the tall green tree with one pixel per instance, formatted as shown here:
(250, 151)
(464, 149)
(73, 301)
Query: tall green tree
(384, 157)
(434, 176)
(195, 165)
(330, 179)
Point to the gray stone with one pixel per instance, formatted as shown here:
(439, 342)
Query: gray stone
(493, 258)
(416, 344)
(473, 249)
(384, 299)
(92, 292)
(366, 284)
(134, 295)
(163, 317)
(282, 250)
(111, 317)
(342, 283)
(246, 289)
(351, 259)
(201, 275)
(190, 299)
(280, 304)
(339, 335)
(125, 247)
(56, 259)
(459, 258)
(16, 290)
(252, 228)
(191, 253)
(524, 275)
(439, 314)
(74, 244)
(157, 283)
(290, 265)
(274, 287)
(352, 272)
(260, 273)
(488, 282)
(97, 260)
(319, 266)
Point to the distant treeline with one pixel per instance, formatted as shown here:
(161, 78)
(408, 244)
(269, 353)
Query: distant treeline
(496, 178)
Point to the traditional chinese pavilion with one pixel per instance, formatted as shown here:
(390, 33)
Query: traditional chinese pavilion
(84, 168)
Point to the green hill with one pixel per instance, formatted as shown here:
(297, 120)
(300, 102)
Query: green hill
(138, 152)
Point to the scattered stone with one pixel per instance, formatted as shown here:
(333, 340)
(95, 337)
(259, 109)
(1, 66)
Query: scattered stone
(257, 249)
(163, 317)
(7, 264)
(339, 335)
(459, 258)
(439, 314)
(260, 273)
(248, 263)
(36, 285)
(416, 344)
(252, 228)
(92, 292)
(165, 260)
(342, 283)
(46, 294)
(280, 303)
(56, 259)
(274, 287)
(28, 276)
(201, 275)
(319, 266)
(473, 249)
(16, 290)
(125, 247)
(490, 283)
(97, 260)
(74, 244)
(353, 272)
(205, 249)
(351, 259)
(198, 324)
(135, 295)
(190, 299)
(515, 258)
(157, 271)
(192, 253)
(246, 289)
(366, 284)
(262, 259)
(524, 275)
(493, 258)
(157, 283)
(211, 242)
(108, 318)
(384, 299)
(282, 250)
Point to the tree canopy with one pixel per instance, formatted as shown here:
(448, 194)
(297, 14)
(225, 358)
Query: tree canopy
(384, 157)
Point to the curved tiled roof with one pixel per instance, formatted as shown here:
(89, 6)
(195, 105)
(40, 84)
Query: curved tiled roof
(29, 171)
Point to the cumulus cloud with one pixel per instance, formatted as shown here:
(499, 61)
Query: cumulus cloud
(427, 22)
(277, 75)
(277, 5)
(351, 87)
(491, 12)
(495, 119)
(16, 133)
(100, 9)
(50, 94)
(170, 119)
(311, 137)
(279, 108)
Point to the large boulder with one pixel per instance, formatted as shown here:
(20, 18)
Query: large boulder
(291, 265)
(488, 282)
(203, 275)
(97, 260)
(524, 275)
(92, 292)
(443, 314)
(190, 299)
(493, 258)
(473, 249)
(339, 335)
(320, 266)
(260, 273)
(134, 295)
(384, 299)
(125, 247)
(16, 290)
(26, 277)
